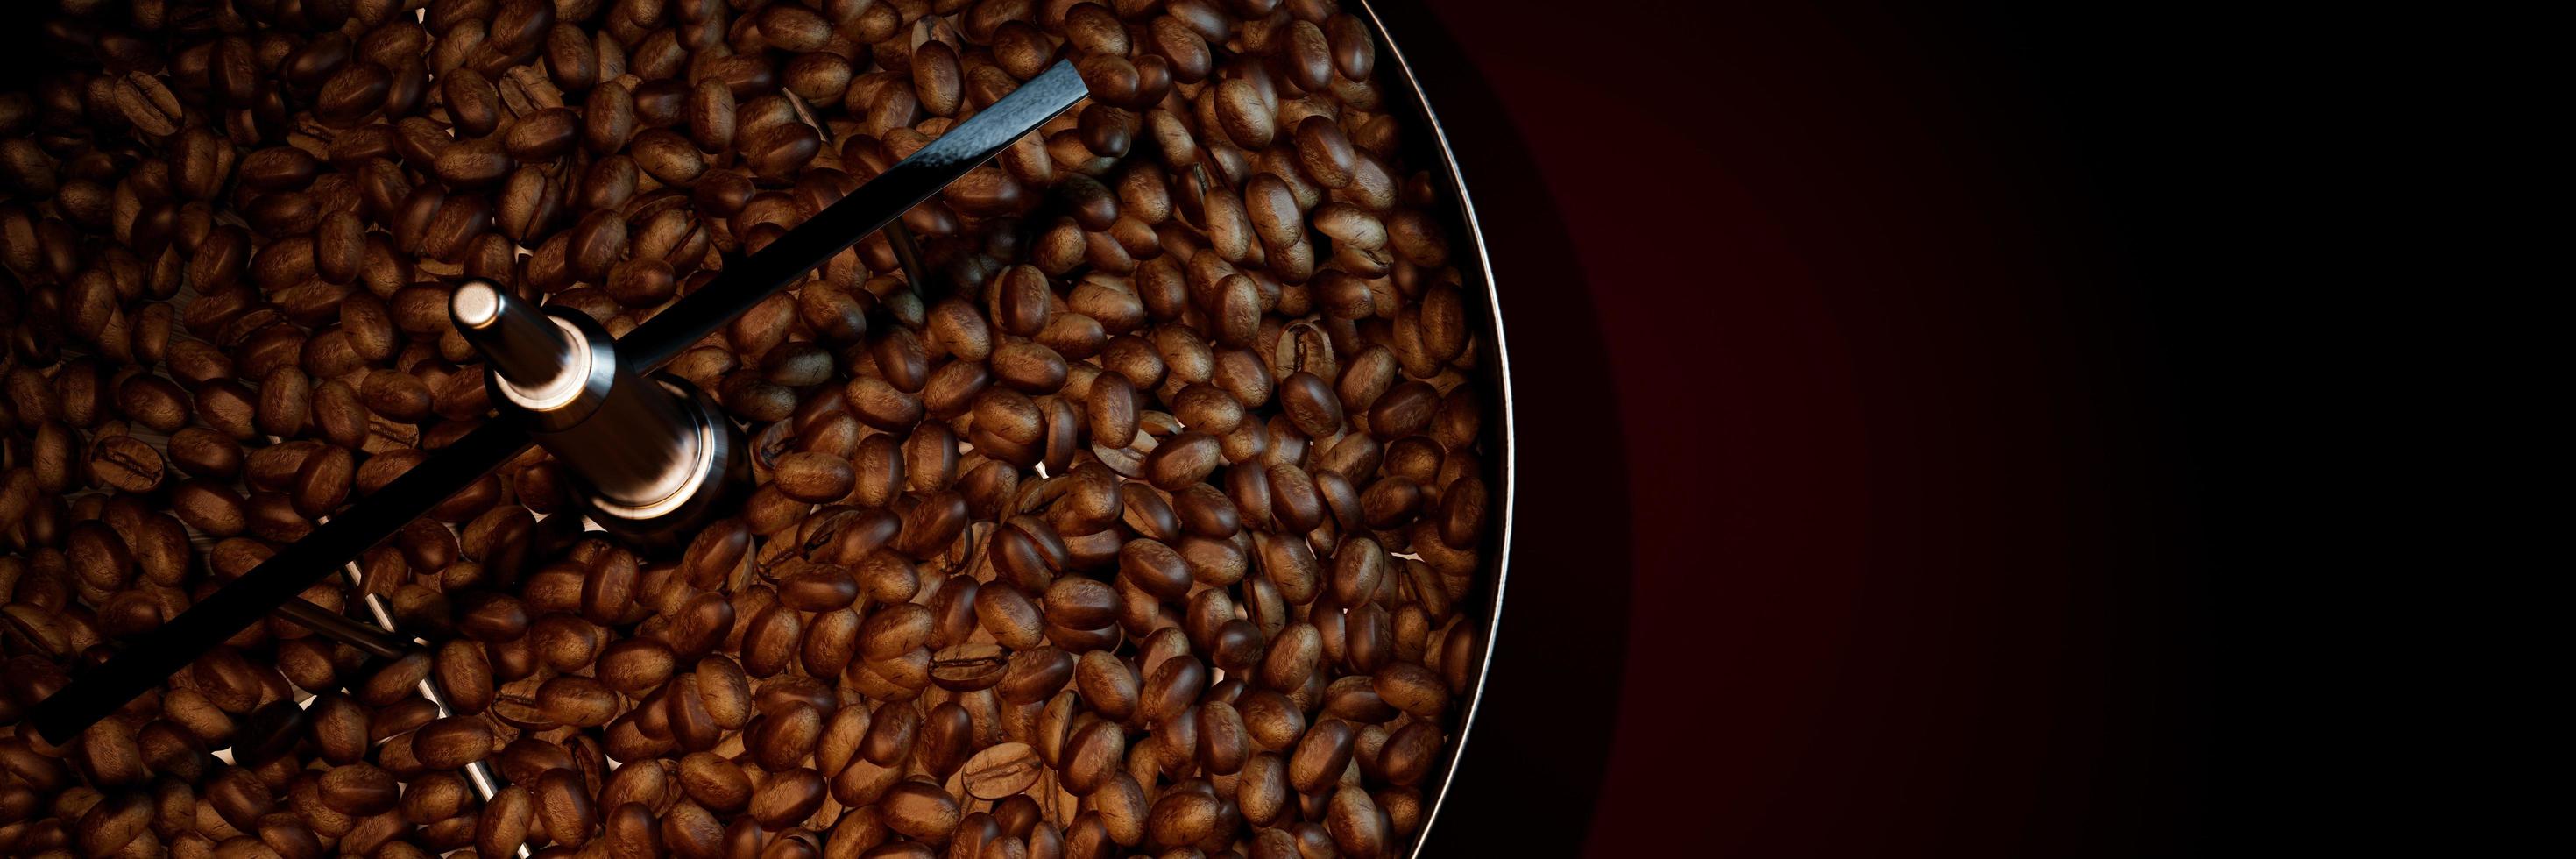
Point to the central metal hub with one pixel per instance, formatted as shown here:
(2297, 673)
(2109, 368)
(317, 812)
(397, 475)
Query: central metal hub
(653, 456)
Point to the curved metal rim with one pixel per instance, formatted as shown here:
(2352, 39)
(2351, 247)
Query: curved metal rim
(1483, 270)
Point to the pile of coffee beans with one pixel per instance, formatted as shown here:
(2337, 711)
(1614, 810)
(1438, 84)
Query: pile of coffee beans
(1130, 504)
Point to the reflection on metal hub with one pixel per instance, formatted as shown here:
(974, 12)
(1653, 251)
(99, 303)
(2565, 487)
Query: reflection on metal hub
(653, 458)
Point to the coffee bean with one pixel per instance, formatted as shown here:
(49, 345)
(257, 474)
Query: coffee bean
(450, 743)
(543, 135)
(1185, 817)
(126, 464)
(812, 476)
(148, 103)
(668, 157)
(503, 824)
(968, 667)
(714, 782)
(1357, 827)
(465, 674)
(636, 665)
(642, 282)
(323, 481)
(209, 507)
(1122, 808)
(472, 102)
(359, 789)
(1183, 460)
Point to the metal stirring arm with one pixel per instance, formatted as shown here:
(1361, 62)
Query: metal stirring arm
(95, 693)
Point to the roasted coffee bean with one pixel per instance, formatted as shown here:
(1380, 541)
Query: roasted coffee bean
(812, 476)
(642, 282)
(359, 789)
(453, 742)
(1183, 460)
(126, 464)
(668, 157)
(919, 810)
(503, 824)
(209, 507)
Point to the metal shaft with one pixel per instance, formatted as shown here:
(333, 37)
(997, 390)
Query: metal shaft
(381, 641)
(478, 775)
(341, 628)
(898, 237)
(651, 457)
(521, 344)
(95, 693)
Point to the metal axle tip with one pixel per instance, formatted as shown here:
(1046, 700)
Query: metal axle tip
(533, 353)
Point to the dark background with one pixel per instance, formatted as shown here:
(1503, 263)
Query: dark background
(1885, 376)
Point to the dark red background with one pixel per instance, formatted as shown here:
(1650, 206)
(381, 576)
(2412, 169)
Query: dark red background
(1856, 513)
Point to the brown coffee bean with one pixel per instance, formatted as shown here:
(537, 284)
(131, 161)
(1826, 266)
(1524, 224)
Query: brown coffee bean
(1122, 808)
(636, 665)
(1085, 603)
(504, 822)
(1185, 817)
(1002, 771)
(667, 157)
(472, 101)
(148, 103)
(209, 507)
(543, 135)
(633, 832)
(725, 690)
(1021, 300)
(338, 728)
(919, 810)
(715, 552)
(1093, 756)
(1357, 827)
(819, 587)
(359, 789)
(1029, 366)
(880, 405)
(1172, 688)
(453, 742)
(324, 480)
(814, 477)
(597, 243)
(1224, 742)
(465, 675)
(151, 401)
(1154, 568)
(772, 640)
(787, 737)
(710, 113)
(352, 94)
(892, 630)
(691, 830)
(642, 282)
(1262, 792)
(563, 805)
(1321, 755)
(714, 782)
(1183, 460)
(788, 798)
(126, 464)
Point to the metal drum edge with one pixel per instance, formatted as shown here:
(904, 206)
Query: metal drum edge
(1495, 358)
